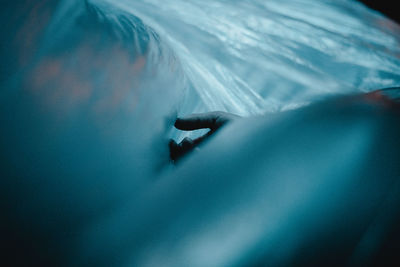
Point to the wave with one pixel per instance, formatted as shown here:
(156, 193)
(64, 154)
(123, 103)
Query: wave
(246, 58)
(89, 93)
(254, 57)
(142, 63)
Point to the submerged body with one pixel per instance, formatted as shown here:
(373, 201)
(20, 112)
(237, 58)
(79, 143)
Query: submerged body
(317, 185)
(310, 187)
(85, 174)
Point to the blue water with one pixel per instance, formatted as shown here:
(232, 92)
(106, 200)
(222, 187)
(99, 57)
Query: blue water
(90, 90)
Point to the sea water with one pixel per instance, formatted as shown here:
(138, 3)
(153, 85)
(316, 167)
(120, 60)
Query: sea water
(89, 93)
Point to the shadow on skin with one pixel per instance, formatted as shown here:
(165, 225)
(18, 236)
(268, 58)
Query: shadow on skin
(211, 120)
(389, 97)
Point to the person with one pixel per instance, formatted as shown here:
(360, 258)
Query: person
(215, 120)
(311, 185)
(314, 186)
(211, 120)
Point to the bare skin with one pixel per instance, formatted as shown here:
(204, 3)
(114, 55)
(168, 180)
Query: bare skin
(217, 119)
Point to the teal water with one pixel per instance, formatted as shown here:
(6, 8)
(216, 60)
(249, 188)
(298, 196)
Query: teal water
(89, 93)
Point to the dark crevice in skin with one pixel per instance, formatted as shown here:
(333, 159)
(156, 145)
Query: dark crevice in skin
(389, 97)
(212, 120)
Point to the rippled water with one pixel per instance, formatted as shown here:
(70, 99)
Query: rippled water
(89, 91)
(255, 56)
(246, 57)
(252, 57)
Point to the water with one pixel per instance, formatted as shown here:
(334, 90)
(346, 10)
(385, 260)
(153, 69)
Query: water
(89, 93)
(252, 57)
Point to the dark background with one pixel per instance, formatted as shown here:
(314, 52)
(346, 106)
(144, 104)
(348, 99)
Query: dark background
(386, 7)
